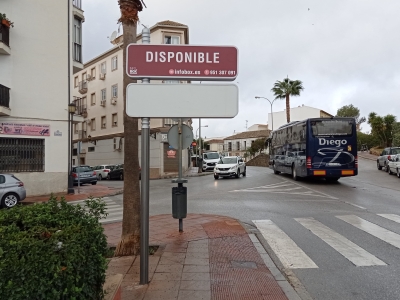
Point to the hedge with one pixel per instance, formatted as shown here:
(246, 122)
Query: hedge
(53, 250)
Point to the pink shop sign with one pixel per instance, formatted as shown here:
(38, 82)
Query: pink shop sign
(24, 129)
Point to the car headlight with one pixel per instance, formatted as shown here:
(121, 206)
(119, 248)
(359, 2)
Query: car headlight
(233, 168)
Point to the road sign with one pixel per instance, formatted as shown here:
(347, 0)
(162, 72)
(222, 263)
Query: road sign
(194, 144)
(182, 100)
(173, 136)
(184, 62)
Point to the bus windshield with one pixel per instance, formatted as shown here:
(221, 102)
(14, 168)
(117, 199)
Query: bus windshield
(332, 127)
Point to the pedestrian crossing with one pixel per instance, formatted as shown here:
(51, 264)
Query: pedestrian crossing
(293, 257)
(286, 187)
(114, 208)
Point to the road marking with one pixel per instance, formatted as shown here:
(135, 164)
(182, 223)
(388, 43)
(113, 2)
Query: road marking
(355, 205)
(373, 229)
(357, 255)
(392, 217)
(285, 248)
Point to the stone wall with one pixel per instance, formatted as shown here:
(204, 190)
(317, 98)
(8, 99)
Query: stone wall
(261, 160)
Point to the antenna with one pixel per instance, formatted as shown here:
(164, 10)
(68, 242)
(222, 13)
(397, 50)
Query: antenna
(113, 37)
(246, 123)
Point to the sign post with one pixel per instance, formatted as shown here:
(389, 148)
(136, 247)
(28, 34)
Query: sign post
(144, 195)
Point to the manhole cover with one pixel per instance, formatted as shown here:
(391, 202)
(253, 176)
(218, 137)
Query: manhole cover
(244, 264)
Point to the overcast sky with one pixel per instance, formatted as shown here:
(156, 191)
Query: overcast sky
(344, 52)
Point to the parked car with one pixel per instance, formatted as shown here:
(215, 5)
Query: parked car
(383, 160)
(118, 172)
(229, 166)
(210, 159)
(394, 165)
(85, 175)
(12, 190)
(103, 170)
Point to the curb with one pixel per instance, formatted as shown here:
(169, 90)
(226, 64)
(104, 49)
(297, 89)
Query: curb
(369, 158)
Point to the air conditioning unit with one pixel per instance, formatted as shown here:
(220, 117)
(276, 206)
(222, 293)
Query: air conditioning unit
(103, 102)
(114, 101)
(102, 76)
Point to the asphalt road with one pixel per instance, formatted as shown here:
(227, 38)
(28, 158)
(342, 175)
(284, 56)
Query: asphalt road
(333, 240)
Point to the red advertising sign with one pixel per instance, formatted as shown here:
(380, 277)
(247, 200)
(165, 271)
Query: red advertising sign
(183, 62)
(24, 129)
(171, 153)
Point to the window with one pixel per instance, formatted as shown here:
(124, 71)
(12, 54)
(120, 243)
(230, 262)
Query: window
(75, 128)
(77, 40)
(172, 39)
(2, 179)
(103, 94)
(114, 120)
(93, 124)
(103, 69)
(76, 81)
(93, 72)
(229, 146)
(93, 99)
(169, 122)
(237, 145)
(103, 122)
(83, 76)
(245, 145)
(114, 91)
(21, 155)
(114, 63)
(90, 149)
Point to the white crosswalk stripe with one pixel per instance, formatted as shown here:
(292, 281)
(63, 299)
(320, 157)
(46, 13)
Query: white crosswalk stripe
(373, 229)
(285, 187)
(357, 255)
(284, 247)
(293, 257)
(113, 208)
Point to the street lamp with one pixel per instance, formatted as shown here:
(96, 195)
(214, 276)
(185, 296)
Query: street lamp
(71, 112)
(199, 138)
(272, 114)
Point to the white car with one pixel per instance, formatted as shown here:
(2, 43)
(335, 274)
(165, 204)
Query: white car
(230, 166)
(394, 165)
(103, 170)
(210, 159)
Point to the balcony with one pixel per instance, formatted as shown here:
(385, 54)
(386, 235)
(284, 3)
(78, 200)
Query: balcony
(4, 40)
(4, 101)
(83, 87)
(77, 9)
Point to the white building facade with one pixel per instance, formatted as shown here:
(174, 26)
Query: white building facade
(35, 66)
(98, 93)
(296, 114)
(239, 143)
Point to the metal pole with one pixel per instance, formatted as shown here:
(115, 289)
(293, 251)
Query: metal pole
(70, 188)
(272, 116)
(180, 165)
(201, 152)
(144, 195)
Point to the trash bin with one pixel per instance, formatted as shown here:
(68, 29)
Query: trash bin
(179, 202)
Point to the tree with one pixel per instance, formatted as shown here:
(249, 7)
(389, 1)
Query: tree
(396, 134)
(351, 111)
(130, 238)
(286, 88)
(257, 146)
(382, 127)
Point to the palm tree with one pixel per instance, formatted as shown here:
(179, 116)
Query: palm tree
(130, 238)
(286, 88)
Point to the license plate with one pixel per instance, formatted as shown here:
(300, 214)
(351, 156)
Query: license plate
(333, 164)
(85, 175)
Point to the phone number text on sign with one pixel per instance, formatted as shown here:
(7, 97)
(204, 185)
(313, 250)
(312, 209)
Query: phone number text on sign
(220, 72)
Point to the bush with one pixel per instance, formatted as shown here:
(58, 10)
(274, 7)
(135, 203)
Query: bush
(52, 250)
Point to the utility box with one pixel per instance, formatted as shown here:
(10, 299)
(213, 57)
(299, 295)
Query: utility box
(179, 202)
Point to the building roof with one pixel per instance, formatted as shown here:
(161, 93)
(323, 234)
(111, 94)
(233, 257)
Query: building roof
(215, 141)
(249, 135)
(170, 23)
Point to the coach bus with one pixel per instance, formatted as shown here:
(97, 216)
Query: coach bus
(317, 147)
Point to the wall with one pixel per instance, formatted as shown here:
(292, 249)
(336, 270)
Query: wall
(261, 160)
(296, 114)
(37, 73)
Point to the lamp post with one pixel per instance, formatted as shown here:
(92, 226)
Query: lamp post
(272, 114)
(71, 111)
(197, 146)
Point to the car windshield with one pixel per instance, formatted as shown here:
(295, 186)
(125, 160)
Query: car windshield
(228, 160)
(332, 127)
(211, 155)
(396, 151)
(82, 169)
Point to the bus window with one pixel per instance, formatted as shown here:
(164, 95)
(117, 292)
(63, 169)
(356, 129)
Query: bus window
(332, 127)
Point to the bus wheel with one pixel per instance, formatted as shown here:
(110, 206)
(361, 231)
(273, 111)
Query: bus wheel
(294, 174)
(275, 171)
(332, 179)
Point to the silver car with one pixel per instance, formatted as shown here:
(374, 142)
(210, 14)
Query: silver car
(394, 165)
(11, 190)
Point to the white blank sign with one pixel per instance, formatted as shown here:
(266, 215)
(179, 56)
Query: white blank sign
(182, 100)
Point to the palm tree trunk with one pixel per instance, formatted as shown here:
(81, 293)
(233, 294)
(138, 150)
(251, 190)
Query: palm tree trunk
(130, 238)
(288, 108)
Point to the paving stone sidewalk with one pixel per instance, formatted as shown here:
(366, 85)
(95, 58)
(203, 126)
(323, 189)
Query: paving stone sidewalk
(214, 258)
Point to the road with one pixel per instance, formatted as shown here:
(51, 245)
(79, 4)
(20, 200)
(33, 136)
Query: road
(333, 240)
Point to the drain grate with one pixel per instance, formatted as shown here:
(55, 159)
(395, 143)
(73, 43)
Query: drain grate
(243, 264)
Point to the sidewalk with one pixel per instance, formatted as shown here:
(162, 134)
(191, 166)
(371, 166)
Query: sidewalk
(86, 191)
(214, 258)
(367, 155)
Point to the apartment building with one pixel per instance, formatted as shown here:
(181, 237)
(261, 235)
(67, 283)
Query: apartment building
(35, 63)
(237, 144)
(98, 93)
